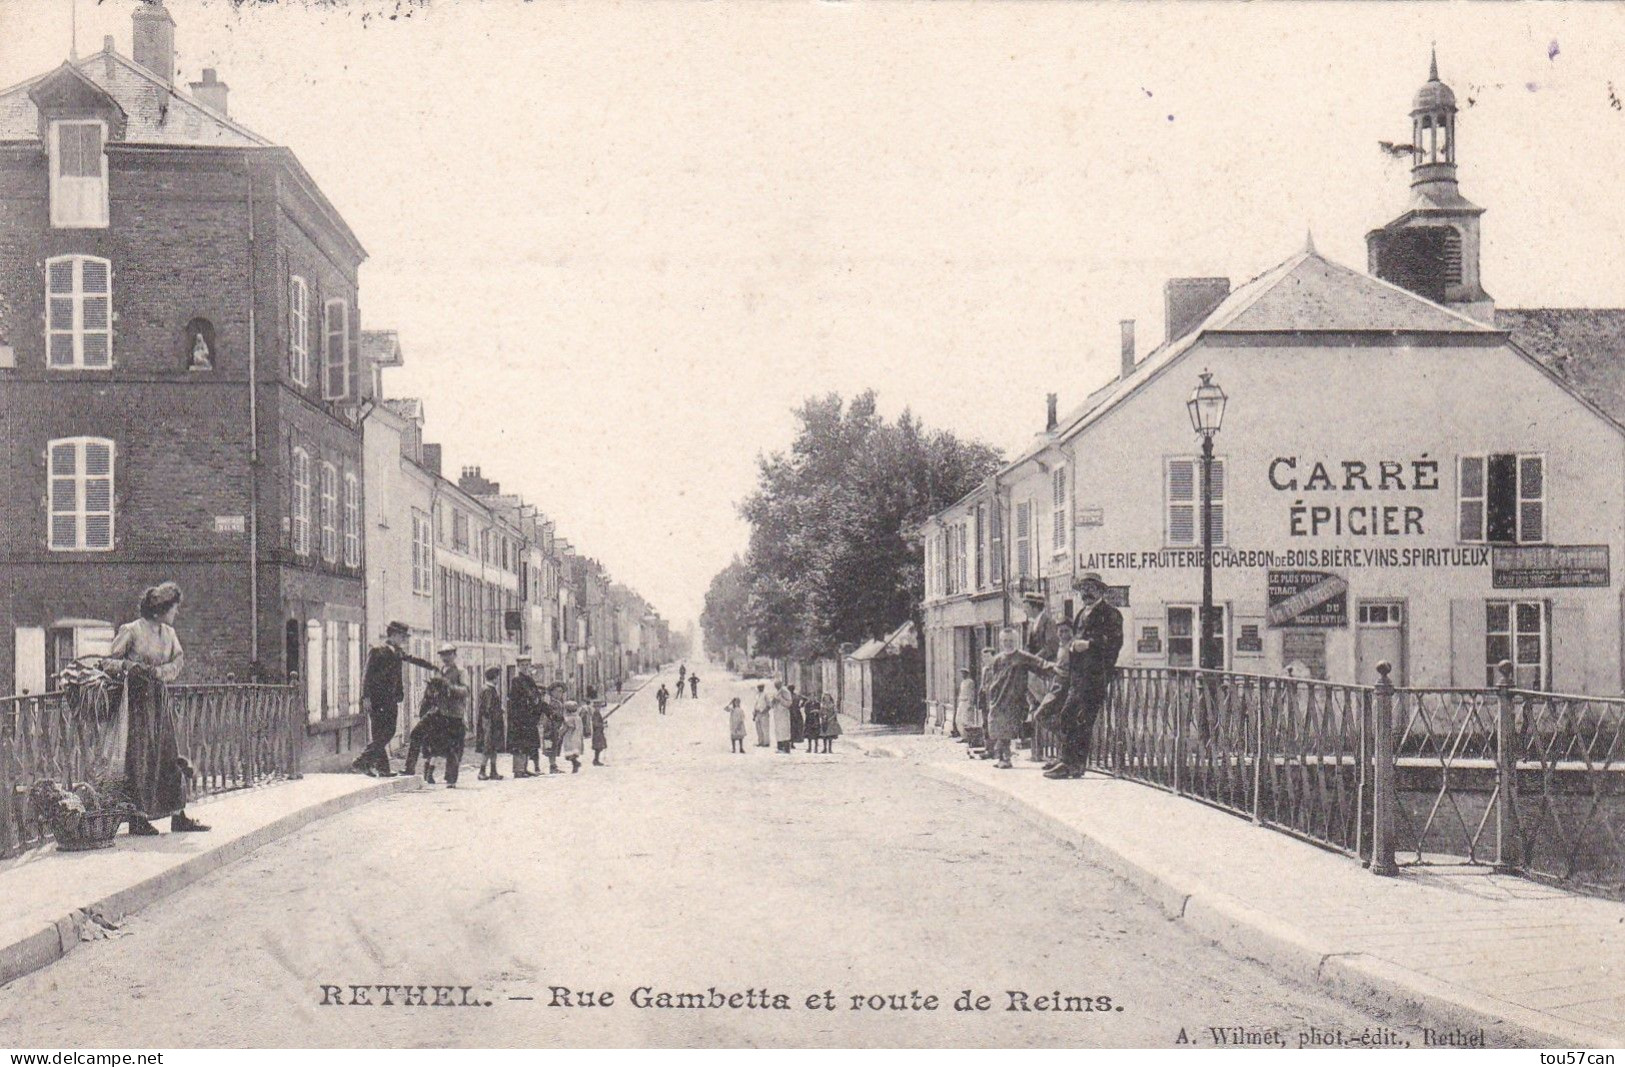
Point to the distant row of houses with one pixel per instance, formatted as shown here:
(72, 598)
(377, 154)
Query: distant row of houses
(1404, 473)
(186, 393)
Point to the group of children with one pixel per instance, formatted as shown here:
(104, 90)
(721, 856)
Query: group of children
(794, 719)
(530, 725)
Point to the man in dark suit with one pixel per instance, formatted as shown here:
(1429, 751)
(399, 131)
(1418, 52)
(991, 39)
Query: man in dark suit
(524, 720)
(381, 694)
(1090, 661)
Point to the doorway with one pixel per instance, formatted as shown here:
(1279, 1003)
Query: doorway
(1379, 636)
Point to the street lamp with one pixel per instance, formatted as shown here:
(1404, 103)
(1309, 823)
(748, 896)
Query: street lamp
(1206, 407)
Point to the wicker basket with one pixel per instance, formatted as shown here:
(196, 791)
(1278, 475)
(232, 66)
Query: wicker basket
(96, 829)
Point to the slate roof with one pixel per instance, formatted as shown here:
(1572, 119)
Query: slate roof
(157, 113)
(1313, 294)
(1585, 347)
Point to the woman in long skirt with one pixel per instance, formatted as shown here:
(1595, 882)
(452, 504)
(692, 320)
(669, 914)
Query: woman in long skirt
(600, 740)
(830, 723)
(153, 768)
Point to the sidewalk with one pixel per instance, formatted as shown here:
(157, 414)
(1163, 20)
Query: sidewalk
(54, 900)
(1527, 963)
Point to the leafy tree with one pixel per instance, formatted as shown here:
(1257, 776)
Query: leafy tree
(723, 622)
(829, 559)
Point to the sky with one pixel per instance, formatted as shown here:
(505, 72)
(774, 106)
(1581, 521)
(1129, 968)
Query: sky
(622, 241)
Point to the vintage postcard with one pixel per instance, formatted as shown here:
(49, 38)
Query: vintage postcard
(711, 525)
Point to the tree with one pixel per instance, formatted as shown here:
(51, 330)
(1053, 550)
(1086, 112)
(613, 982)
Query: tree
(829, 559)
(724, 622)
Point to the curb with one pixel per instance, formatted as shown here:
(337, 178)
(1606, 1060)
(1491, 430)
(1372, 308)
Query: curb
(1247, 933)
(56, 939)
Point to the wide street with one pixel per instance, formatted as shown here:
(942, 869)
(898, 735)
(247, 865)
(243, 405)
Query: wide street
(677, 867)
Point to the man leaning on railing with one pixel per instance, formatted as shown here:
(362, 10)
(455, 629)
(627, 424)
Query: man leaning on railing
(1088, 661)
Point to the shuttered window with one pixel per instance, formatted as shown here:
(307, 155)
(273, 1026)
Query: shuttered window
(336, 350)
(1184, 502)
(78, 320)
(421, 555)
(80, 477)
(352, 521)
(1024, 535)
(1501, 498)
(1058, 531)
(298, 330)
(996, 524)
(301, 502)
(78, 174)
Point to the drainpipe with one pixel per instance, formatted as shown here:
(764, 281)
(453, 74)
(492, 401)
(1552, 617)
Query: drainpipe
(253, 447)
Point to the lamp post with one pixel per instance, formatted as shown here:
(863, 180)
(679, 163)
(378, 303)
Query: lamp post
(1206, 407)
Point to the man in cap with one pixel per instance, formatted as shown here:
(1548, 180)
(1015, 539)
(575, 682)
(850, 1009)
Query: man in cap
(456, 709)
(1090, 663)
(553, 712)
(381, 693)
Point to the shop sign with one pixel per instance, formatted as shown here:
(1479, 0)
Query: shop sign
(1307, 598)
(1549, 566)
(1091, 516)
(232, 524)
(1303, 654)
(1249, 639)
(1150, 642)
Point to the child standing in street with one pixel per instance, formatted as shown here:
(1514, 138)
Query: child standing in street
(736, 725)
(830, 724)
(489, 733)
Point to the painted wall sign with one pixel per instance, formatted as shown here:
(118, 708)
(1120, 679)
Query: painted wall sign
(1549, 566)
(1365, 516)
(1270, 559)
(1091, 516)
(1150, 642)
(1307, 598)
(1249, 639)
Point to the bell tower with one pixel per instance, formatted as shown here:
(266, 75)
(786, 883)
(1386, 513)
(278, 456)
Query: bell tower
(1432, 248)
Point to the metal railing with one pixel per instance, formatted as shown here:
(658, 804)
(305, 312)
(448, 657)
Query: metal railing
(1288, 753)
(234, 736)
(1532, 783)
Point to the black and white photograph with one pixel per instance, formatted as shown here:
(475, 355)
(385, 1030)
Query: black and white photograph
(785, 524)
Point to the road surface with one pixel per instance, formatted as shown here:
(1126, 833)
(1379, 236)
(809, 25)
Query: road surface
(677, 868)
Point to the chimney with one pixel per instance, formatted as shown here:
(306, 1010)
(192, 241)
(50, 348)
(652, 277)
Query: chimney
(1051, 419)
(211, 92)
(431, 458)
(1187, 301)
(154, 40)
(1128, 348)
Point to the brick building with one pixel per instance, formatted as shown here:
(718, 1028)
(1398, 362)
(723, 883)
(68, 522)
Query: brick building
(178, 381)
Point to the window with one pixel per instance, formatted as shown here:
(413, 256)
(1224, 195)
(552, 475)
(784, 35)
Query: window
(78, 325)
(80, 473)
(1024, 536)
(352, 521)
(329, 513)
(1501, 498)
(459, 530)
(1516, 630)
(421, 555)
(301, 502)
(298, 330)
(981, 546)
(996, 520)
(1184, 503)
(1058, 531)
(78, 174)
(1182, 635)
(336, 350)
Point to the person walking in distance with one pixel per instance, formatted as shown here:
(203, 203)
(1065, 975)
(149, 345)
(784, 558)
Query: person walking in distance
(1006, 683)
(694, 686)
(682, 677)
(736, 726)
(382, 691)
(661, 696)
(1098, 638)
(490, 727)
(760, 713)
(965, 706)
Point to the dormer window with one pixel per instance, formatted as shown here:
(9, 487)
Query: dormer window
(78, 174)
